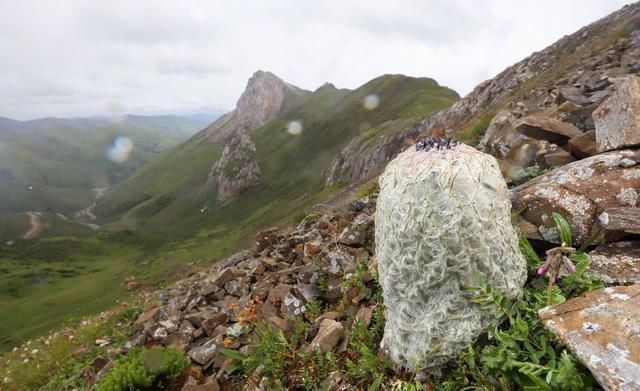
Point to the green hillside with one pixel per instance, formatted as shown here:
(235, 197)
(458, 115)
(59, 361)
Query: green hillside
(166, 196)
(52, 164)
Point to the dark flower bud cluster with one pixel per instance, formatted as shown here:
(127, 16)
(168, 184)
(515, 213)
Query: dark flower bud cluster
(438, 143)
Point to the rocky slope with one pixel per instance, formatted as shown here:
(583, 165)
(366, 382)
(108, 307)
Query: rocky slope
(573, 69)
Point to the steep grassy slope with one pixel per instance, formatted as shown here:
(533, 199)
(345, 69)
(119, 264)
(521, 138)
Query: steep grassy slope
(167, 194)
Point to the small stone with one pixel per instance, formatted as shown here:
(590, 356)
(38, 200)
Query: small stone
(146, 317)
(178, 340)
(292, 306)
(364, 315)
(236, 258)
(235, 288)
(286, 325)
(584, 145)
(279, 293)
(328, 336)
(352, 236)
(309, 292)
(214, 320)
(259, 269)
(224, 276)
(204, 353)
(210, 385)
(238, 329)
(266, 239)
(98, 363)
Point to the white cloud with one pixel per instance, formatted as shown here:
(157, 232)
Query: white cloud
(83, 57)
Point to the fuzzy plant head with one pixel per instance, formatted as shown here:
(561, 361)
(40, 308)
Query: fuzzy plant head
(442, 227)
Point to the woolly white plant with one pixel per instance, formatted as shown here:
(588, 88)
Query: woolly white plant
(443, 225)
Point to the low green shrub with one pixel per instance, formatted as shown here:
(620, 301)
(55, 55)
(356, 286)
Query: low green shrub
(145, 369)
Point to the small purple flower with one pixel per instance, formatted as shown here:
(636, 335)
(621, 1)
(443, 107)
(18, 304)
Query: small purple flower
(556, 258)
(569, 265)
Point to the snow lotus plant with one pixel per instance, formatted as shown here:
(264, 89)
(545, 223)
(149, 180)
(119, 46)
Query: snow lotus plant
(442, 227)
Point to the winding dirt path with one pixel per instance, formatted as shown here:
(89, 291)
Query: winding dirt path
(35, 226)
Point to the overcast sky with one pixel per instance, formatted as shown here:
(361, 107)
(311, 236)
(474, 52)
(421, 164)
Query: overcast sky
(93, 57)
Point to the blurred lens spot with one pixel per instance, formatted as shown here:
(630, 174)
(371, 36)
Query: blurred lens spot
(120, 150)
(371, 101)
(295, 127)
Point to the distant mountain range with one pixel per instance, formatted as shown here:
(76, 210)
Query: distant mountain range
(52, 164)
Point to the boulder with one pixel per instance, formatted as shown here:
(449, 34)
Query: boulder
(526, 152)
(617, 263)
(601, 329)
(572, 94)
(579, 191)
(328, 336)
(546, 128)
(618, 118)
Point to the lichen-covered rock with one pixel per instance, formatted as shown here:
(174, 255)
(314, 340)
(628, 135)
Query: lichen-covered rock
(580, 191)
(601, 328)
(616, 263)
(618, 118)
(442, 226)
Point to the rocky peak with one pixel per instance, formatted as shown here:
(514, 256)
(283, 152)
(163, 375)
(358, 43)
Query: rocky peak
(236, 170)
(260, 102)
(262, 99)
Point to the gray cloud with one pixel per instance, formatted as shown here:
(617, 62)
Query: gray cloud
(82, 57)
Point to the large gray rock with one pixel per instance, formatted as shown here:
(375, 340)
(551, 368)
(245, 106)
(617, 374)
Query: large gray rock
(601, 328)
(618, 118)
(580, 191)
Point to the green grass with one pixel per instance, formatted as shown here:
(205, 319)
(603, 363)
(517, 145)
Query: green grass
(57, 362)
(47, 282)
(473, 134)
